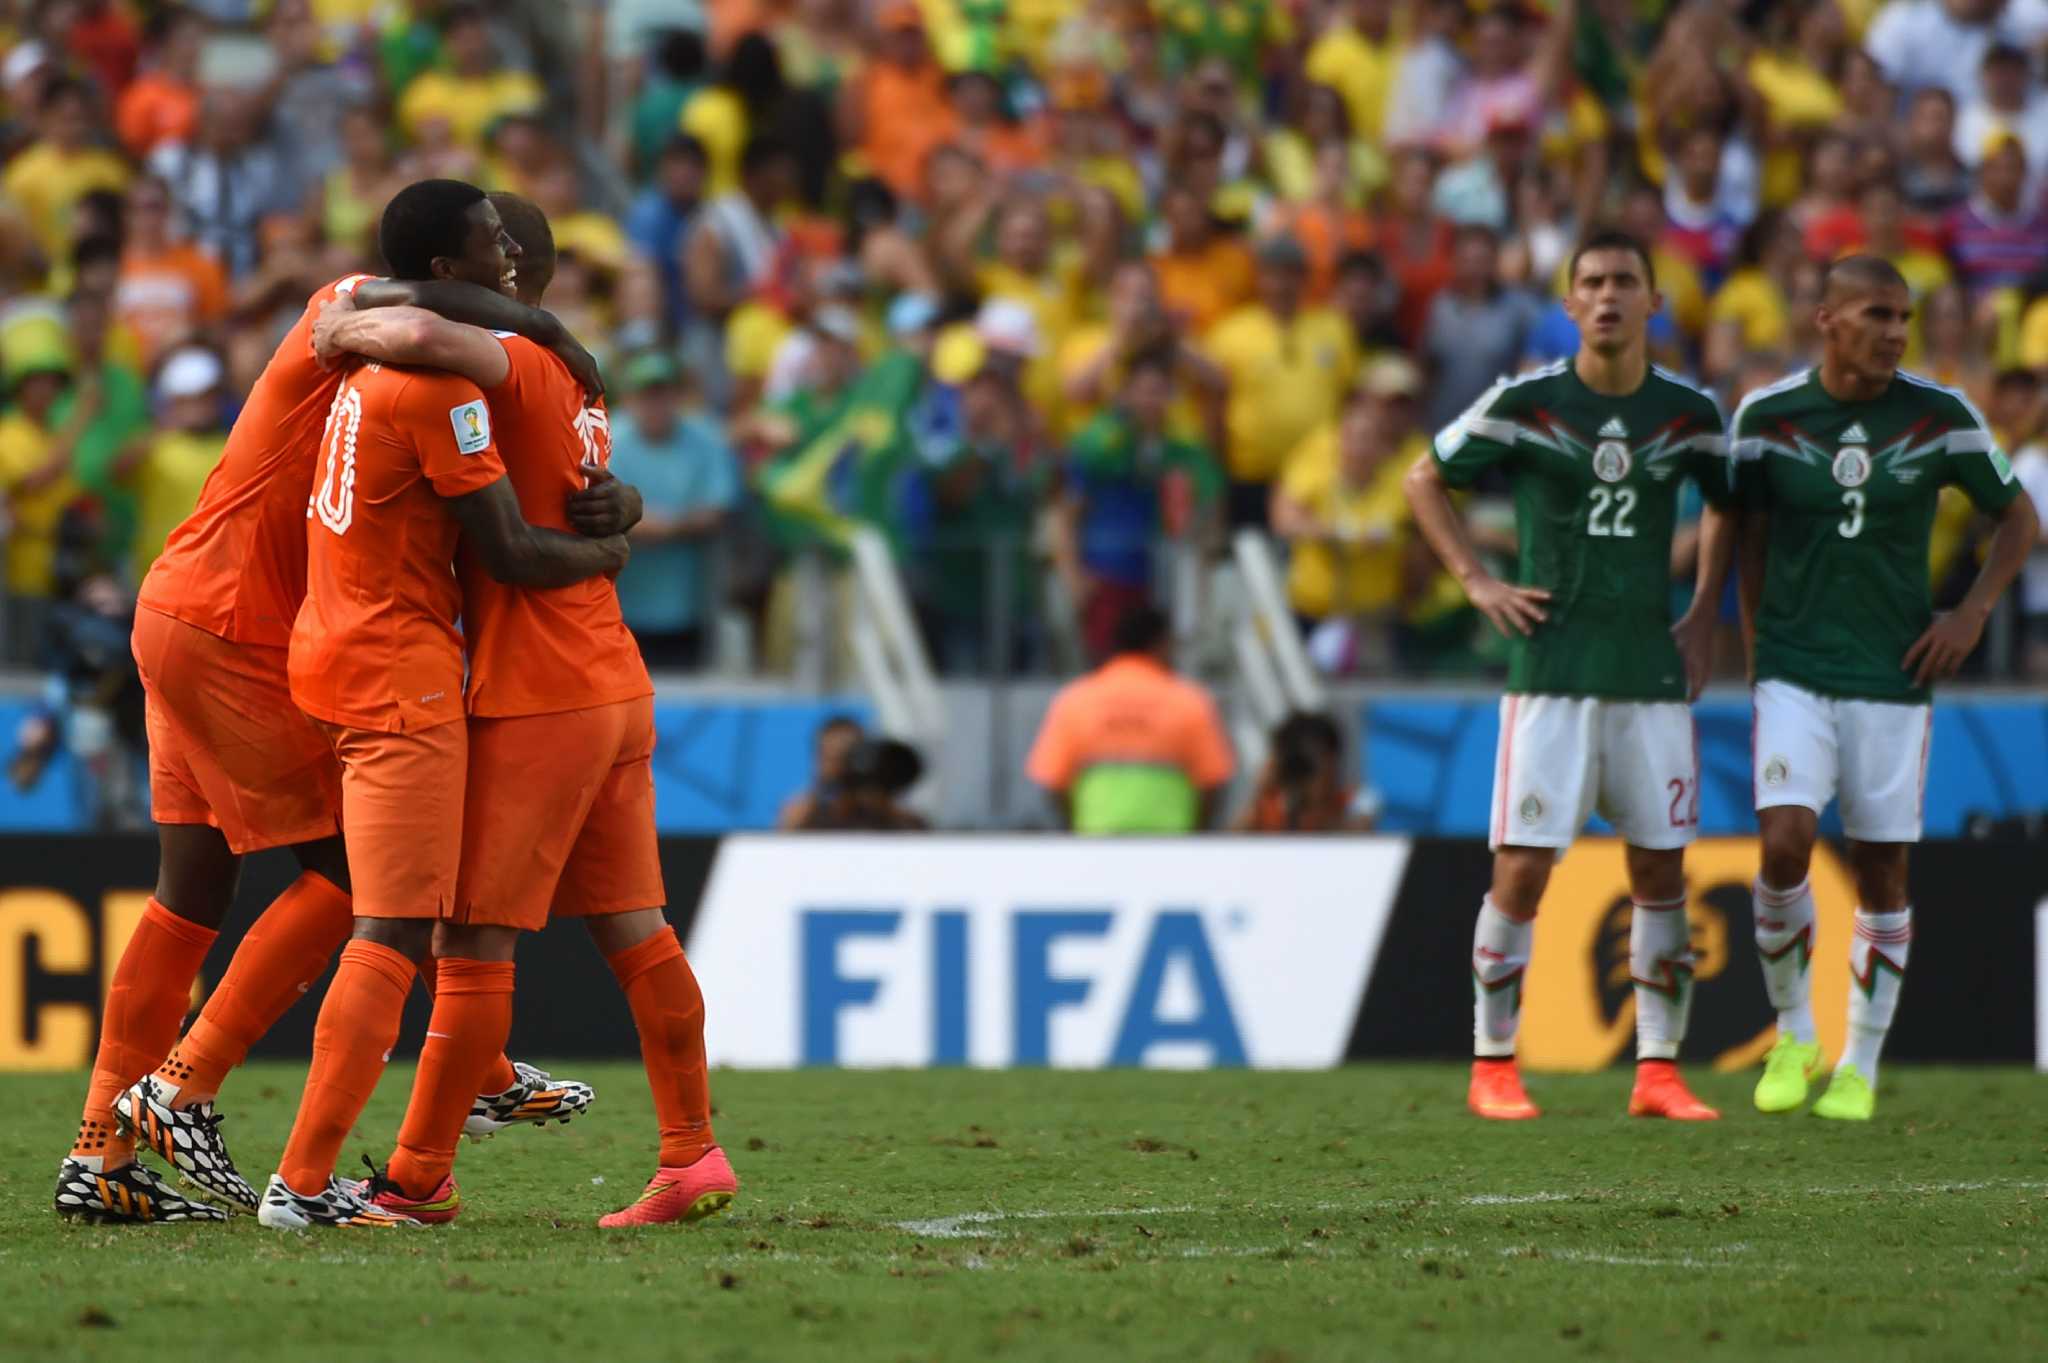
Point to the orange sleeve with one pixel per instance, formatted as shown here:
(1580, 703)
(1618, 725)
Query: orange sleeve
(449, 424)
(1210, 761)
(1053, 754)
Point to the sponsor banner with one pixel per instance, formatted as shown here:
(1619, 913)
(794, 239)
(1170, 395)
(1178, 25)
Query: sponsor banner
(1970, 986)
(1432, 761)
(1052, 951)
(1040, 951)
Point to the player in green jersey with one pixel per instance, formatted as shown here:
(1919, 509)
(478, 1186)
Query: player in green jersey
(1599, 676)
(1838, 470)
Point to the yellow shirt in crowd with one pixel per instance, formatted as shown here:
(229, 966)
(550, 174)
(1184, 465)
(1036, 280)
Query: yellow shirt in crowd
(1286, 379)
(469, 104)
(715, 117)
(1359, 69)
(1751, 298)
(31, 554)
(48, 183)
(1363, 574)
(167, 485)
(1056, 299)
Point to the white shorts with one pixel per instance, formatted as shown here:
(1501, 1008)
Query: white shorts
(1809, 749)
(1562, 757)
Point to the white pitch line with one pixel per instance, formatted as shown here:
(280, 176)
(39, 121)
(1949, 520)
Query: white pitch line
(966, 1225)
(1514, 1199)
(960, 1227)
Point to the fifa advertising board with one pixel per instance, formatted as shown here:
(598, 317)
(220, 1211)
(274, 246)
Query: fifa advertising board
(996, 951)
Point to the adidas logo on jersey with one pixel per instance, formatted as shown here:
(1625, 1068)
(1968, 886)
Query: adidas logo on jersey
(1854, 435)
(1614, 430)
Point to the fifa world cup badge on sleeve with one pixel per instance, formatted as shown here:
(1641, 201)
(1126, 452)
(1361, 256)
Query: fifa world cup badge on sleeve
(472, 423)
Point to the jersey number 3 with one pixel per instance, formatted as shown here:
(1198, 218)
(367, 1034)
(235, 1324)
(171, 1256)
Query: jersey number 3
(1852, 523)
(335, 500)
(1621, 502)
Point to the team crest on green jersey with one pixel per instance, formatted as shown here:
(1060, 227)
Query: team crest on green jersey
(1852, 466)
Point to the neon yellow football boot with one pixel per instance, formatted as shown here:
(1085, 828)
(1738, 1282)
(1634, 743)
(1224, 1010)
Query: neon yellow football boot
(1849, 1098)
(1789, 1067)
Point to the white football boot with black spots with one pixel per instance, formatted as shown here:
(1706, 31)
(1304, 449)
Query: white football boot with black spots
(341, 1203)
(187, 1138)
(538, 1098)
(133, 1194)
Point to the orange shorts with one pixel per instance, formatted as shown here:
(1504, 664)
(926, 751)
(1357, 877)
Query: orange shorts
(226, 745)
(401, 801)
(560, 817)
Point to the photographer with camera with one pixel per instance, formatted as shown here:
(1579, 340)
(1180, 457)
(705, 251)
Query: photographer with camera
(1302, 787)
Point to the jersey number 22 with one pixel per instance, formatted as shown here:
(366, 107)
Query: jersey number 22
(1621, 502)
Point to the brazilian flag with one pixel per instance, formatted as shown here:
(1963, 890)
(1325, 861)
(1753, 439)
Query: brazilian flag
(842, 471)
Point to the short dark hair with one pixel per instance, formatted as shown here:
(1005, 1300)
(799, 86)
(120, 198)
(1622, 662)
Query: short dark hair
(834, 722)
(685, 145)
(1859, 274)
(1367, 262)
(95, 250)
(425, 220)
(527, 225)
(1160, 355)
(1613, 239)
(58, 88)
(679, 52)
(1140, 629)
(460, 13)
(1466, 231)
(159, 26)
(762, 151)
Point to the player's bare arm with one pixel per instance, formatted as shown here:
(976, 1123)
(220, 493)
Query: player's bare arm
(1941, 650)
(1694, 630)
(523, 555)
(409, 336)
(604, 505)
(460, 301)
(1512, 609)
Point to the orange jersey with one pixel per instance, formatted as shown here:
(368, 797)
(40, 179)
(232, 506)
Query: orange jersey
(375, 645)
(534, 652)
(236, 566)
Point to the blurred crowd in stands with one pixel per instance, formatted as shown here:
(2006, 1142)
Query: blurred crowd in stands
(1046, 292)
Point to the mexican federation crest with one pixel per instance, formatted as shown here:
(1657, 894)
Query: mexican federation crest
(1852, 465)
(1610, 461)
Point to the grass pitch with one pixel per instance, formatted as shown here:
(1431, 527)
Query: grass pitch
(1035, 1215)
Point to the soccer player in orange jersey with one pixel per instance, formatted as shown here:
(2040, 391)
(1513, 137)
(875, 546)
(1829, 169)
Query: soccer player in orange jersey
(408, 464)
(235, 768)
(561, 711)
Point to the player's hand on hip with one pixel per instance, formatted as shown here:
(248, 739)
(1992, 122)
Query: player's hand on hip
(1944, 647)
(325, 349)
(1512, 609)
(1694, 635)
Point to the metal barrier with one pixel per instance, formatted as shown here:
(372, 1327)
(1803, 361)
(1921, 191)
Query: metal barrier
(889, 652)
(1270, 663)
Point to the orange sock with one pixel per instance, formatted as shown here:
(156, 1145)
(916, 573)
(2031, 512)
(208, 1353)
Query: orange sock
(472, 1015)
(500, 1075)
(283, 955)
(668, 1010)
(358, 1026)
(151, 988)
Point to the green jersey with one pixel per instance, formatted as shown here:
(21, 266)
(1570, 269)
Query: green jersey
(1596, 482)
(1850, 489)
